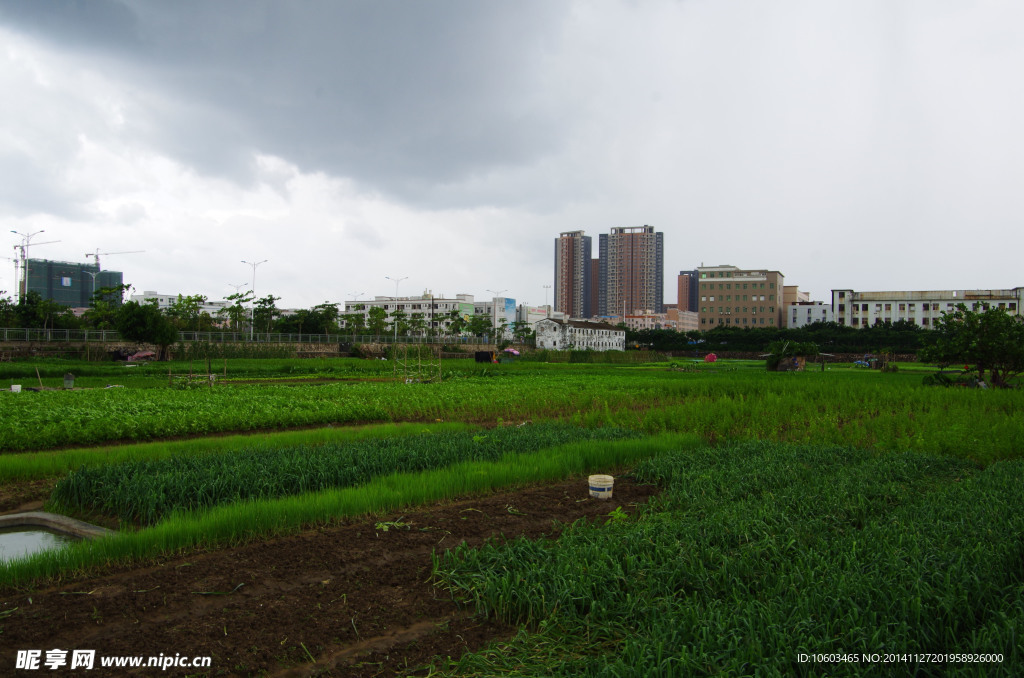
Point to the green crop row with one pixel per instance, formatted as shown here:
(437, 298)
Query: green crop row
(33, 465)
(147, 491)
(867, 409)
(759, 553)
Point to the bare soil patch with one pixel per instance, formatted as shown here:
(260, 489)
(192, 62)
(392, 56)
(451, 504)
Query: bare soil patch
(349, 599)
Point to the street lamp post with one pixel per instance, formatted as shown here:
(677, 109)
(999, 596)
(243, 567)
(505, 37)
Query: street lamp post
(547, 311)
(494, 311)
(26, 239)
(252, 315)
(396, 281)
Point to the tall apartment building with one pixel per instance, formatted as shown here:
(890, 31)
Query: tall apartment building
(863, 309)
(572, 274)
(686, 299)
(632, 269)
(743, 297)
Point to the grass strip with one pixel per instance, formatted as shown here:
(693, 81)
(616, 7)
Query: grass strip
(145, 492)
(238, 523)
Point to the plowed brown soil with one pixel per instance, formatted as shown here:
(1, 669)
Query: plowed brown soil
(349, 599)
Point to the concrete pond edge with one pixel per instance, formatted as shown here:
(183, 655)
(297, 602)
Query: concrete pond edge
(54, 521)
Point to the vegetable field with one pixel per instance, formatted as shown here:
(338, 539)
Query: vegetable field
(756, 553)
(837, 513)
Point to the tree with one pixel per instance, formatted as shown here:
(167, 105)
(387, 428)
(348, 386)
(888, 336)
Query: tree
(480, 325)
(102, 313)
(456, 322)
(265, 313)
(321, 319)
(33, 311)
(355, 323)
(8, 311)
(521, 330)
(377, 321)
(187, 314)
(236, 313)
(398, 321)
(417, 324)
(992, 339)
(145, 322)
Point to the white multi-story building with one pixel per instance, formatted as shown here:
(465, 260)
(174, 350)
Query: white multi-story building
(435, 312)
(807, 312)
(579, 335)
(863, 309)
(164, 301)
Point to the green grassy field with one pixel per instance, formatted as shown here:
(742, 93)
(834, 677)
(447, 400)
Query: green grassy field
(845, 510)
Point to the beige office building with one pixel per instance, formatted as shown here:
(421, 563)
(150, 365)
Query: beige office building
(732, 296)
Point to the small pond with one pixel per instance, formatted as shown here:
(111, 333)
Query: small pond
(16, 542)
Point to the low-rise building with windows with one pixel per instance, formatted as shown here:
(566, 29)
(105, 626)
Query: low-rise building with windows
(807, 312)
(433, 312)
(863, 309)
(579, 335)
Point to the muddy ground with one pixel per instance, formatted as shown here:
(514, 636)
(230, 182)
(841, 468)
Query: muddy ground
(350, 599)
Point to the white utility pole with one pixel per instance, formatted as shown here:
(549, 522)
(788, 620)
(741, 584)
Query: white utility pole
(252, 315)
(26, 239)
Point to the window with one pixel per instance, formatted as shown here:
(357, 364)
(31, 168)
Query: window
(65, 282)
(842, 308)
(888, 307)
(903, 307)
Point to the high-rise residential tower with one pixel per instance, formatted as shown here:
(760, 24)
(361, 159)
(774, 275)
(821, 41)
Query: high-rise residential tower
(632, 263)
(686, 299)
(572, 274)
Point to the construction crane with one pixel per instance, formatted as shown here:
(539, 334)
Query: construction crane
(23, 247)
(97, 254)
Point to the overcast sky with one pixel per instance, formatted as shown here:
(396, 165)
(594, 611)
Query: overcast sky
(847, 144)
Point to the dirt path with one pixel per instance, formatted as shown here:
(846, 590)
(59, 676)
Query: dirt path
(348, 600)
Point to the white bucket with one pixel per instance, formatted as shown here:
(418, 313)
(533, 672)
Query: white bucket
(601, 486)
(15, 388)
